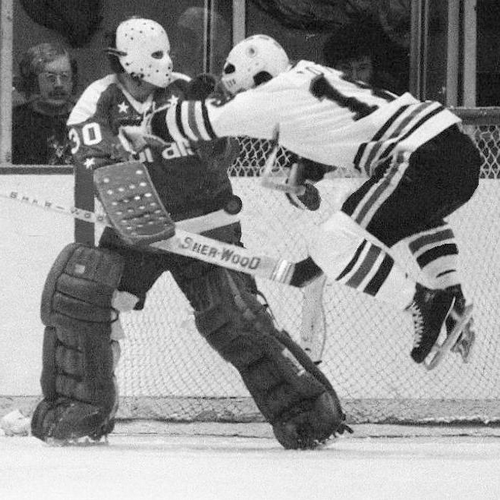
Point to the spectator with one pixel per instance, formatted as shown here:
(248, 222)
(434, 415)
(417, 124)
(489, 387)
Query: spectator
(364, 53)
(47, 79)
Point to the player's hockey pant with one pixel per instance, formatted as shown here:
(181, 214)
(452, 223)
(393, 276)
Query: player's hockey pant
(407, 195)
(290, 391)
(77, 379)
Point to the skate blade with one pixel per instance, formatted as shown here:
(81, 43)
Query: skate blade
(439, 352)
(465, 349)
(80, 442)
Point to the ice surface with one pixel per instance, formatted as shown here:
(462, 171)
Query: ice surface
(217, 467)
(452, 464)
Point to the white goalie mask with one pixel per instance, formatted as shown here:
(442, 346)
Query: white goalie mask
(143, 49)
(257, 56)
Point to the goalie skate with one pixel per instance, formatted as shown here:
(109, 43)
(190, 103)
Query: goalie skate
(453, 340)
(82, 442)
(132, 204)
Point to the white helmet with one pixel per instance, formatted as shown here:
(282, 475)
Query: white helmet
(143, 49)
(257, 56)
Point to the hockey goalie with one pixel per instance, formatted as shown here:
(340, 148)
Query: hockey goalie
(89, 287)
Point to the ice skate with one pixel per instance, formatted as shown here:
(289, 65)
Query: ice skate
(460, 336)
(460, 332)
(460, 339)
(429, 310)
(465, 344)
(466, 340)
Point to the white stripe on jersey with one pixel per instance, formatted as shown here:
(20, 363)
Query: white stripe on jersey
(410, 126)
(429, 239)
(379, 192)
(87, 104)
(186, 123)
(375, 149)
(320, 116)
(192, 123)
(171, 123)
(196, 121)
(365, 268)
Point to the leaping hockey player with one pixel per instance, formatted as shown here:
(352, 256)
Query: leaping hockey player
(419, 164)
(88, 287)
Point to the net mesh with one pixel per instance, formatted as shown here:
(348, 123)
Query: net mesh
(168, 371)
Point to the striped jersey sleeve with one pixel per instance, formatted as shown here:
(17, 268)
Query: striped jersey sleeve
(316, 113)
(212, 118)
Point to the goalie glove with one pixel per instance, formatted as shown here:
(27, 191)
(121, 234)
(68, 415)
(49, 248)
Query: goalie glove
(139, 137)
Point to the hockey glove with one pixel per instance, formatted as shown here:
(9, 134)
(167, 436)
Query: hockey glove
(139, 137)
(201, 86)
(309, 200)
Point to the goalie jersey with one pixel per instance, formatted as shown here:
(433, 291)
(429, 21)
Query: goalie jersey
(317, 113)
(187, 183)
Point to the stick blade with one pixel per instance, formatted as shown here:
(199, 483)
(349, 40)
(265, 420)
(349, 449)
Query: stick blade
(132, 203)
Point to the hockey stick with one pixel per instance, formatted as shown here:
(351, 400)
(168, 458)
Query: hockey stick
(313, 328)
(185, 243)
(268, 180)
(194, 225)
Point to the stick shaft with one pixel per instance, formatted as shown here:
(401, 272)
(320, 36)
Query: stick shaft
(184, 243)
(49, 206)
(268, 180)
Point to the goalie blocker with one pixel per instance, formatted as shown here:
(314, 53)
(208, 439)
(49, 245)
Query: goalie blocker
(132, 204)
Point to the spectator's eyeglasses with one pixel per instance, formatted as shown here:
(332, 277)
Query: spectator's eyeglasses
(51, 77)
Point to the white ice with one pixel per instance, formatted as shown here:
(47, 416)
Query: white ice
(445, 465)
(214, 467)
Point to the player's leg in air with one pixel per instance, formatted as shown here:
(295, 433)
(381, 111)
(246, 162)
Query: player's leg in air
(406, 195)
(436, 253)
(291, 392)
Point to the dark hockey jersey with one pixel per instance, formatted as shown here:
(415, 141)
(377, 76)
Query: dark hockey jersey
(187, 184)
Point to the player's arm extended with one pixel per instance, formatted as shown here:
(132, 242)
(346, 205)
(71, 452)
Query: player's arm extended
(247, 114)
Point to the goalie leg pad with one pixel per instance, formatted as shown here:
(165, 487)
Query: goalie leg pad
(77, 379)
(300, 404)
(66, 420)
